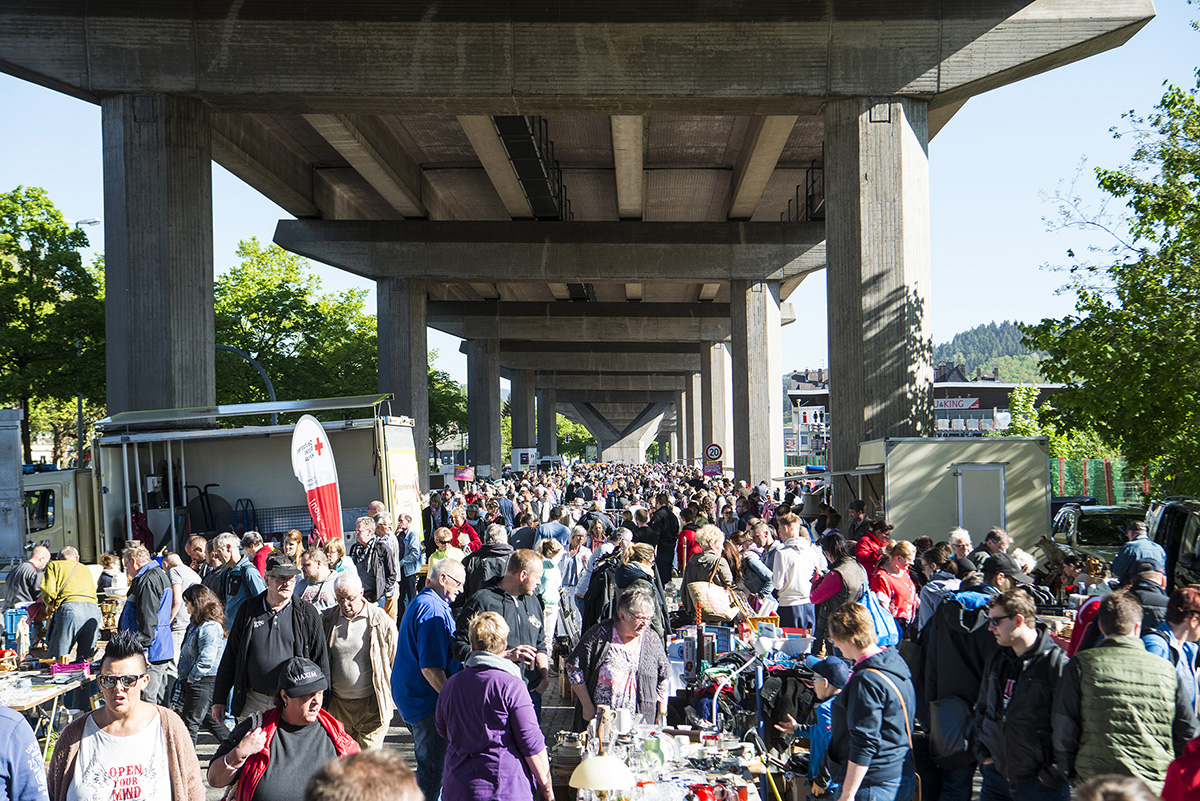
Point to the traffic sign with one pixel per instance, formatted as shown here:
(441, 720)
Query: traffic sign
(713, 469)
(713, 452)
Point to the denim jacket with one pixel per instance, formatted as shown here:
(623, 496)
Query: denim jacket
(201, 651)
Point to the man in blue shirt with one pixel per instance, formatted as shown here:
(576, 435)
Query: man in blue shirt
(1139, 548)
(423, 663)
(554, 529)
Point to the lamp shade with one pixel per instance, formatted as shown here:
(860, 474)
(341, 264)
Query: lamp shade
(602, 772)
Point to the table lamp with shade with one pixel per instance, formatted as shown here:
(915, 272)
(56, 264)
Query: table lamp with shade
(602, 773)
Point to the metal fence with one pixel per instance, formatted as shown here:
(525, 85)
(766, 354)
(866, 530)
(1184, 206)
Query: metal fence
(1107, 480)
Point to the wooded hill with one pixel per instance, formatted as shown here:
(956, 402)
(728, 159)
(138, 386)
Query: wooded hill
(988, 346)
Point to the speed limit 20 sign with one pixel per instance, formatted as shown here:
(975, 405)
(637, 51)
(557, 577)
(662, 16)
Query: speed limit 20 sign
(713, 452)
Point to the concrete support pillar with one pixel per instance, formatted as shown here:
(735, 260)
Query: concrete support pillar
(673, 440)
(713, 397)
(404, 357)
(547, 422)
(664, 455)
(521, 407)
(757, 380)
(158, 252)
(483, 404)
(877, 224)
(693, 448)
(628, 444)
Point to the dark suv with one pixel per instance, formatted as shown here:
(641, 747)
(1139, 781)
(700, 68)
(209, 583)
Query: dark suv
(1174, 524)
(1094, 530)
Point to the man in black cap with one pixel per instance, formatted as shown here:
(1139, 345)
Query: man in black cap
(269, 630)
(275, 752)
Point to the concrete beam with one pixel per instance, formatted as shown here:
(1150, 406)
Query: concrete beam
(482, 58)
(628, 142)
(599, 396)
(560, 252)
(370, 150)
(581, 322)
(651, 363)
(644, 382)
(764, 144)
(256, 152)
(485, 139)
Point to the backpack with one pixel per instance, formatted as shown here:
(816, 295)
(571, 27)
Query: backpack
(599, 603)
(886, 630)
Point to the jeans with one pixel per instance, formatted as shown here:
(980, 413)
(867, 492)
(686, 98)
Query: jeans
(158, 682)
(901, 789)
(195, 703)
(996, 788)
(75, 623)
(429, 751)
(956, 783)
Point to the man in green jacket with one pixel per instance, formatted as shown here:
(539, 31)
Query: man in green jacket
(1120, 709)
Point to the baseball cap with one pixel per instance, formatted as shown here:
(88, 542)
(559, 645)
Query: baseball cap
(301, 676)
(1003, 563)
(833, 670)
(279, 564)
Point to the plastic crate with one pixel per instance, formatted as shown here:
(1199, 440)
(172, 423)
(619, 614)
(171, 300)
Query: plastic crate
(11, 618)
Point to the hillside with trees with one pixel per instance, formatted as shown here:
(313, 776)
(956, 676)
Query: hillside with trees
(989, 346)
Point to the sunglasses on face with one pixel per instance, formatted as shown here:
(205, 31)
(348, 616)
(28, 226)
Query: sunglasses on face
(109, 682)
(996, 621)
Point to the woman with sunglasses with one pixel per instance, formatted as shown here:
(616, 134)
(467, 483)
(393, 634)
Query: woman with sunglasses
(128, 748)
(621, 663)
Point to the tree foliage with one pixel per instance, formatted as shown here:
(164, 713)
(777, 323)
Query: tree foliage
(51, 308)
(573, 438)
(312, 344)
(1130, 354)
(1030, 421)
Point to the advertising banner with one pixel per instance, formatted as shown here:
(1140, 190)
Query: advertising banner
(312, 462)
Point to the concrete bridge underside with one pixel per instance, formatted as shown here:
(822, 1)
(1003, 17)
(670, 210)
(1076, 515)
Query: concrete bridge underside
(512, 173)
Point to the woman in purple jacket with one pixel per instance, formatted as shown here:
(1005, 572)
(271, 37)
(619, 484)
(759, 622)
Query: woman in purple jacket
(495, 746)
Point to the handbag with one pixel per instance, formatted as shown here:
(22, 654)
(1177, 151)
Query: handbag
(886, 630)
(715, 604)
(951, 730)
(916, 796)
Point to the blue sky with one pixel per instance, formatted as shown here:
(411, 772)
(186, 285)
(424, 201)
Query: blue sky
(990, 168)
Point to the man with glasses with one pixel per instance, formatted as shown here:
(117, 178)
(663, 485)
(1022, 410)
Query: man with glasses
(423, 664)
(1015, 701)
(362, 648)
(128, 748)
(268, 631)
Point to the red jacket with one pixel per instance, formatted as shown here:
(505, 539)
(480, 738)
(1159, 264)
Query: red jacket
(473, 542)
(257, 764)
(867, 552)
(1183, 776)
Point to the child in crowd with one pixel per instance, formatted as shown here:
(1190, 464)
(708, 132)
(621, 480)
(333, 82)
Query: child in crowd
(832, 675)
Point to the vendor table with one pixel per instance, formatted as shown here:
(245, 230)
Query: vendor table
(44, 691)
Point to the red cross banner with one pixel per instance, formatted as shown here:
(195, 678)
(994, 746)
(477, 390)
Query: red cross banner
(312, 462)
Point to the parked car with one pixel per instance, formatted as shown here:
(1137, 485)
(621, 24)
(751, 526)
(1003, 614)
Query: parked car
(1174, 523)
(1097, 531)
(1059, 501)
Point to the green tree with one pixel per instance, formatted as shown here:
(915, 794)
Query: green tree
(573, 438)
(311, 343)
(1130, 354)
(59, 418)
(51, 308)
(1030, 421)
(447, 406)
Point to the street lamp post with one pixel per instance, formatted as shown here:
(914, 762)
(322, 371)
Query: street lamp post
(78, 372)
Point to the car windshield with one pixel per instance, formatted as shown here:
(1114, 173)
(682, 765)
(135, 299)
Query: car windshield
(1104, 529)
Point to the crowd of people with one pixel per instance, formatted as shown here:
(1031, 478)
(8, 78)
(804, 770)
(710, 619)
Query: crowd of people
(929, 658)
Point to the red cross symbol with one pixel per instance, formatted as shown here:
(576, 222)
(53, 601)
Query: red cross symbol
(319, 446)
